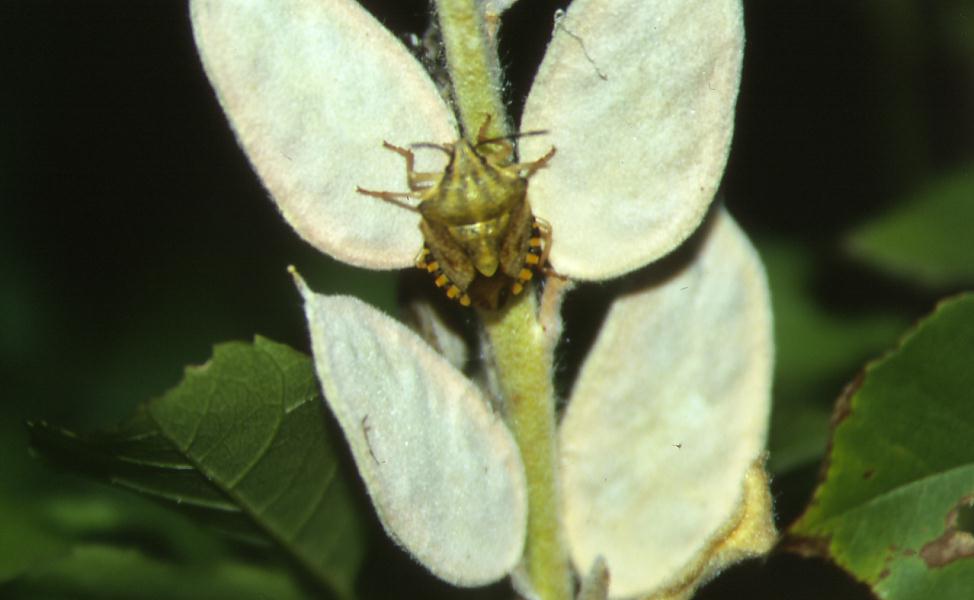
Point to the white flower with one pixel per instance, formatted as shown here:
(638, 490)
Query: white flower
(663, 437)
(313, 88)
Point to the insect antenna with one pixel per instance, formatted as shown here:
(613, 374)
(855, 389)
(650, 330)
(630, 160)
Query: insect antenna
(510, 137)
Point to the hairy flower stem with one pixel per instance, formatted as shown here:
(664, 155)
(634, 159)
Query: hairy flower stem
(471, 57)
(521, 356)
(523, 364)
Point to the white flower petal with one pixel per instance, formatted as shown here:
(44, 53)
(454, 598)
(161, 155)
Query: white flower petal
(443, 471)
(751, 533)
(638, 97)
(430, 322)
(312, 88)
(669, 414)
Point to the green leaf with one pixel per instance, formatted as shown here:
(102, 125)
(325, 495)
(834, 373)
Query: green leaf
(894, 508)
(99, 571)
(926, 238)
(138, 457)
(242, 443)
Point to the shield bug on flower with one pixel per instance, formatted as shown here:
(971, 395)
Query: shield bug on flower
(481, 241)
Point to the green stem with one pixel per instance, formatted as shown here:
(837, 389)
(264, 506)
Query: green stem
(521, 356)
(471, 58)
(524, 368)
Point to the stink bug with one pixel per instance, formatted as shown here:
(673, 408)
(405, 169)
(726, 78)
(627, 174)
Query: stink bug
(481, 241)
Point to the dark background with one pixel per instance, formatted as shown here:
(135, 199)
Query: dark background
(134, 235)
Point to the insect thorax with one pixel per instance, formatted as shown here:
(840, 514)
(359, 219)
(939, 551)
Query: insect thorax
(475, 188)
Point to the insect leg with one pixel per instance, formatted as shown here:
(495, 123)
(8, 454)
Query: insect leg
(416, 180)
(482, 132)
(404, 152)
(391, 197)
(531, 167)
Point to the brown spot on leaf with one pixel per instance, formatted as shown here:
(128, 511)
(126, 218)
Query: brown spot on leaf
(891, 552)
(868, 474)
(841, 410)
(806, 546)
(843, 404)
(954, 543)
(951, 546)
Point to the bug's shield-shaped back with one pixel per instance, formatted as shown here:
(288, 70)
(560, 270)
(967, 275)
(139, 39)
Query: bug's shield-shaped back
(481, 242)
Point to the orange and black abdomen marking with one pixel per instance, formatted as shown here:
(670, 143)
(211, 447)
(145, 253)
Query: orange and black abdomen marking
(440, 278)
(491, 291)
(534, 258)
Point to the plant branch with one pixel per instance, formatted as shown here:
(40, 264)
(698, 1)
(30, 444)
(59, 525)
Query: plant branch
(523, 363)
(471, 57)
(522, 355)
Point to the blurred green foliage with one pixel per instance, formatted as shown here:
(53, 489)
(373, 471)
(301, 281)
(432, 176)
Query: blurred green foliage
(925, 238)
